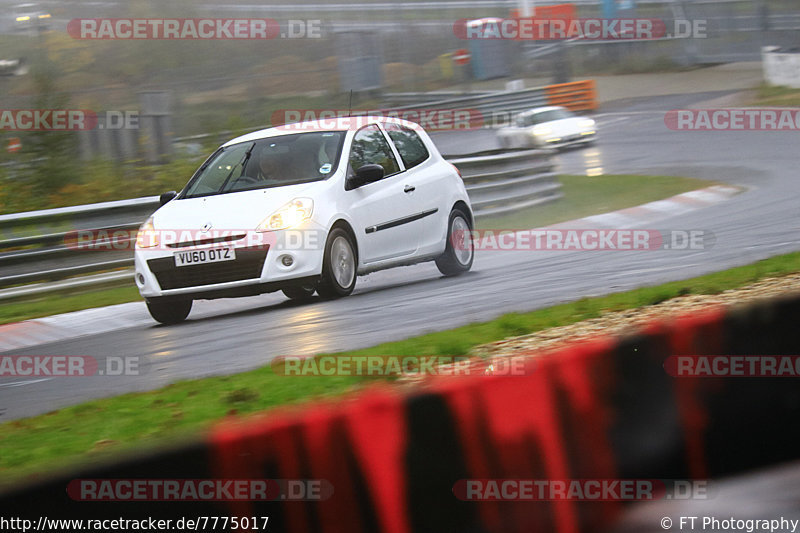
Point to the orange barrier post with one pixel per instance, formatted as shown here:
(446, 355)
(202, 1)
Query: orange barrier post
(575, 96)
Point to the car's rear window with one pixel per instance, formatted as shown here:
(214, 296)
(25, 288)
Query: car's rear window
(548, 116)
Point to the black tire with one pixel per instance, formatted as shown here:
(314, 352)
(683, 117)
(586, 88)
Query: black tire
(169, 312)
(299, 292)
(329, 286)
(452, 262)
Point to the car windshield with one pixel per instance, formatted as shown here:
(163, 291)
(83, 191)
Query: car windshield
(548, 116)
(270, 162)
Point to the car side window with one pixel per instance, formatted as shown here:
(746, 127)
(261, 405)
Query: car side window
(409, 145)
(370, 148)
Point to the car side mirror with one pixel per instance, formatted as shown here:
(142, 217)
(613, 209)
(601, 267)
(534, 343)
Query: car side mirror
(364, 175)
(167, 196)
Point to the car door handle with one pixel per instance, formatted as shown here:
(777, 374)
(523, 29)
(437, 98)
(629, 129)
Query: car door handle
(409, 188)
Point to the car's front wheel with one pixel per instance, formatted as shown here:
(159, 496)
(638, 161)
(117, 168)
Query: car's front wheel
(300, 292)
(459, 252)
(170, 311)
(338, 265)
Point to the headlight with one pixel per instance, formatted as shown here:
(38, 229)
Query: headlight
(587, 123)
(541, 130)
(147, 236)
(289, 215)
(23, 18)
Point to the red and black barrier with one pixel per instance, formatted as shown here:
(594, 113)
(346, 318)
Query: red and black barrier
(599, 409)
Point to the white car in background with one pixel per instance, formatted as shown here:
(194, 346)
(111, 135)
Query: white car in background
(551, 126)
(304, 208)
(30, 16)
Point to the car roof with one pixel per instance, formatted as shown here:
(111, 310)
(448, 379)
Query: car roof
(542, 110)
(321, 125)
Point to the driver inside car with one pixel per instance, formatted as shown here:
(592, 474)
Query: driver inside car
(268, 166)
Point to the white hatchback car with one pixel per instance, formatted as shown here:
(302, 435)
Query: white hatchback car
(304, 208)
(552, 126)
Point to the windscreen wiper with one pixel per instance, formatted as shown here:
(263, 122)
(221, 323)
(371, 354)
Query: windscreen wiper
(241, 163)
(185, 191)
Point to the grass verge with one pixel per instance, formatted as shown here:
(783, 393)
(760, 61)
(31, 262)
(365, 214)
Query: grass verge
(768, 95)
(100, 428)
(53, 304)
(592, 195)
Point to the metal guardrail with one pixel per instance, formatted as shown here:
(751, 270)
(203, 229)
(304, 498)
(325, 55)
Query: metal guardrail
(34, 249)
(35, 246)
(576, 96)
(417, 6)
(502, 181)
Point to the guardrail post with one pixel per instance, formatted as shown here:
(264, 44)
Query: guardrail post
(155, 125)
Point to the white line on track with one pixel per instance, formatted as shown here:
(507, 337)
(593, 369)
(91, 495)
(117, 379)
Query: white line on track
(23, 383)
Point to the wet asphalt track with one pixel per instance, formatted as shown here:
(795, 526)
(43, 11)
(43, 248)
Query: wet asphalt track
(235, 335)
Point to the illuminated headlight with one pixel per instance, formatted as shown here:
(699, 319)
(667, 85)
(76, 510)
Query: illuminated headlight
(541, 131)
(45, 16)
(587, 123)
(23, 19)
(289, 215)
(147, 236)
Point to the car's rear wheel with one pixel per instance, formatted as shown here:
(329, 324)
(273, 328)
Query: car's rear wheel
(169, 312)
(300, 292)
(338, 265)
(458, 253)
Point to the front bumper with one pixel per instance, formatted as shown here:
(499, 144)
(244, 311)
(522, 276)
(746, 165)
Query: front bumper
(264, 262)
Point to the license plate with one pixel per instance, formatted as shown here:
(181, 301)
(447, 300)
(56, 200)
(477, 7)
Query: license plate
(201, 257)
